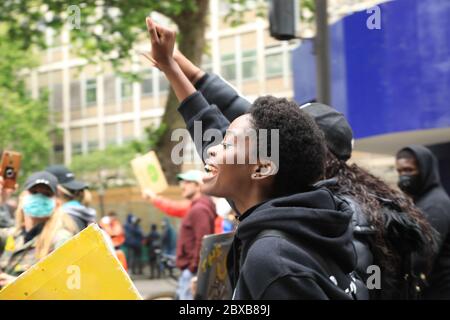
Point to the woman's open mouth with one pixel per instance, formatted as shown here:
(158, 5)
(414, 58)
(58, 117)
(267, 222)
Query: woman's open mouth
(211, 172)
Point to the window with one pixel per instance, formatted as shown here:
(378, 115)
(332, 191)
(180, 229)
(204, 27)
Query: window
(207, 64)
(111, 134)
(163, 84)
(127, 131)
(274, 65)
(249, 65)
(56, 98)
(58, 152)
(126, 89)
(147, 83)
(91, 92)
(75, 94)
(92, 146)
(76, 148)
(110, 90)
(228, 68)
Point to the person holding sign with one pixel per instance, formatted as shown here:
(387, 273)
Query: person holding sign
(196, 223)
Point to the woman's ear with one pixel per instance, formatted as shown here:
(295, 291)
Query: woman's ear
(264, 169)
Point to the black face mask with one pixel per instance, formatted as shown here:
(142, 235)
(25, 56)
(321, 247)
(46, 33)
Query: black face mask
(409, 184)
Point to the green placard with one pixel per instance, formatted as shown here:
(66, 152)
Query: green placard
(153, 173)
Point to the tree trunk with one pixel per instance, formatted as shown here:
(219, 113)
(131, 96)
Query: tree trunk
(191, 30)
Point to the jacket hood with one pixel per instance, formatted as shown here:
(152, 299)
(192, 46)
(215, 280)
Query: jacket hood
(316, 218)
(76, 209)
(428, 167)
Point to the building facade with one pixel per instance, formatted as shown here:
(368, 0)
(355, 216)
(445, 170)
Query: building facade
(96, 108)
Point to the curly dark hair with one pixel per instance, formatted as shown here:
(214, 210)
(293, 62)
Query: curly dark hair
(368, 190)
(301, 143)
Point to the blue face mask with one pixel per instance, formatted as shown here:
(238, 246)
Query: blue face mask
(39, 206)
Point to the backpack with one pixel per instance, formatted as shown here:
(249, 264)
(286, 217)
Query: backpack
(406, 237)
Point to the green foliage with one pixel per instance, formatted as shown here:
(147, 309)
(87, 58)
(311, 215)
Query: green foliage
(238, 8)
(24, 124)
(107, 29)
(115, 160)
(307, 10)
(112, 157)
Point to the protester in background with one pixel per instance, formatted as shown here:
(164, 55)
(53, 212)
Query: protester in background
(388, 229)
(74, 195)
(113, 227)
(418, 172)
(226, 223)
(382, 216)
(153, 242)
(6, 212)
(41, 226)
(174, 208)
(196, 223)
(168, 238)
(179, 208)
(133, 242)
(279, 207)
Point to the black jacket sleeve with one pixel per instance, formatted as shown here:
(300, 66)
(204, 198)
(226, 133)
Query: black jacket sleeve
(220, 93)
(199, 117)
(213, 106)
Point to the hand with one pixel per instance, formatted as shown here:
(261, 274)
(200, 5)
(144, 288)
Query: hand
(194, 286)
(5, 194)
(148, 194)
(1, 191)
(163, 43)
(6, 279)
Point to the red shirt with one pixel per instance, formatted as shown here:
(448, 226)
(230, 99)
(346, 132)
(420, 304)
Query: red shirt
(198, 222)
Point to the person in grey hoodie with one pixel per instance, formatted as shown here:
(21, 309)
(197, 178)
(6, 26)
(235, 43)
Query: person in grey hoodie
(72, 193)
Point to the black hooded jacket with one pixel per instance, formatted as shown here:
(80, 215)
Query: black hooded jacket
(318, 236)
(435, 204)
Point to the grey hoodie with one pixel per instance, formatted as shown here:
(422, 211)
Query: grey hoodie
(83, 216)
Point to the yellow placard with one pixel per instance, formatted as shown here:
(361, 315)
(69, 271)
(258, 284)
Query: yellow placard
(83, 268)
(148, 172)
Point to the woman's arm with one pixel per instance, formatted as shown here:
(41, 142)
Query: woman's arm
(215, 89)
(172, 208)
(194, 107)
(190, 70)
(163, 42)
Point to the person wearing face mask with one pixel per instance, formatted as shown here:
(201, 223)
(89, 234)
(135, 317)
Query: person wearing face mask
(74, 195)
(418, 172)
(40, 227)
